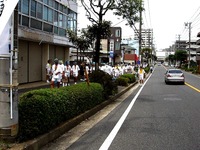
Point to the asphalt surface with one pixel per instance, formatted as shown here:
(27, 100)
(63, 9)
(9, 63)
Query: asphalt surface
(163, 117)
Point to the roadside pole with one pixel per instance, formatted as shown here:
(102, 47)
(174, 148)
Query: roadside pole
(8, 72)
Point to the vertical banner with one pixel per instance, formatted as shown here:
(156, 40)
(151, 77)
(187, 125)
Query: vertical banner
(5, 39)
(6, 9)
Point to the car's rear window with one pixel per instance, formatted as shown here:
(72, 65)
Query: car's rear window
(175, 71)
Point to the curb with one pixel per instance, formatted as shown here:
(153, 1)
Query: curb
(44, 139)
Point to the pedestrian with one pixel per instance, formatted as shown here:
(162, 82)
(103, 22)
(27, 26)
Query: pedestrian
(56, 71)
(67, 72)
(151, 69)
(61, 75)
(141, 73)
(48, 70)
(82, 71)
(75, 72)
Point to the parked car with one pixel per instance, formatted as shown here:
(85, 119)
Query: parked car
(174, 75)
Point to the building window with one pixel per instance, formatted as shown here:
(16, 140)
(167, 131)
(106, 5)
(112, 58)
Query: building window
(51, 3)
(45, 13)
(45, 1)
(39, 10)
(50, 15)
(25, 7)
(36, 24)
(117, 45)
(61, 32)
(33, 8)
(60, 19)
(55, 22)
(48, 27)
(56, 30)
(56, 5)
(25, 21)
(117, 33)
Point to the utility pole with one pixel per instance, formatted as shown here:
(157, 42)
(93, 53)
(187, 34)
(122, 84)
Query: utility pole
(188, 24)
(9, 71)
(140, 33)
(179, 38)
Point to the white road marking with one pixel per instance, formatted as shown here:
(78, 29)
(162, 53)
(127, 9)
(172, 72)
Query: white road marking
(115, 130)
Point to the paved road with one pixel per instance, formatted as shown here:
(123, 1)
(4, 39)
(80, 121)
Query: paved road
(155, 116)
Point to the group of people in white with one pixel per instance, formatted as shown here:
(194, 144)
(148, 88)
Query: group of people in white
(59, 73)
(118, 70)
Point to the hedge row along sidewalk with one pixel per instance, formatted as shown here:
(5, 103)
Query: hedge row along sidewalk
(42, 140)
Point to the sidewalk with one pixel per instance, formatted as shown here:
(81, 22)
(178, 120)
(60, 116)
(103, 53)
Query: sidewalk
(33, 85)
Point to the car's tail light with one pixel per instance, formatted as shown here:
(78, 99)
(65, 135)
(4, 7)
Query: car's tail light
(168, 75)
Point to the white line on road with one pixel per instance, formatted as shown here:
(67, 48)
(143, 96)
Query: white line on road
(106, 144)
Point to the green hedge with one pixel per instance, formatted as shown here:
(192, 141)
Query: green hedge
(122, 81)
(131, 77)
(42, 110)
(109, 87)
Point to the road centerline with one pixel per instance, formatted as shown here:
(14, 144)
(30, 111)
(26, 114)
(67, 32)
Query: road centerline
(192, 87)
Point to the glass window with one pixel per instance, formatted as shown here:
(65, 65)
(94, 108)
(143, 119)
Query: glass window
(25, 7)
(55, 22)
(65, 9)
(62, 32)
(64, 21)
(47, 27)
(19, 6)
(36, 24)
(75, 16)
(33, 8)
(117, 33)
(70, 23)
(56, 30)
(61, 7)
(50, 15)
(51, 3)
(25, 21)
(45, 13)
(45, 1)
(39, 10)
(60, 17)
(56, 5)
(117, 45)
(19, 19)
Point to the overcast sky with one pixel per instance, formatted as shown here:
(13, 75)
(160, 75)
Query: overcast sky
(166, 17)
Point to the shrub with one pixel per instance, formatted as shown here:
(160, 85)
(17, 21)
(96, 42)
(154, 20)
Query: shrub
(146, 69)
(99, 76)
(122, 81)
(43, 109)
(131, 77)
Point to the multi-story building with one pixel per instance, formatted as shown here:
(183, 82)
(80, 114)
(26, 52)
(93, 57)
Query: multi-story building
(42, 35)
(180, 45)
(146, 38)
(198, 52)
(111, 47)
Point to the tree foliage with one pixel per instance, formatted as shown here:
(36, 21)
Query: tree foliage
(97, 9)
(181, 55)
(129, 10)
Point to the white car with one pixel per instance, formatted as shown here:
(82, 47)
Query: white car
(174, 75)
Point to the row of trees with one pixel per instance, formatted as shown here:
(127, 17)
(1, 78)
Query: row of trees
(100, 28)
(179, 56)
